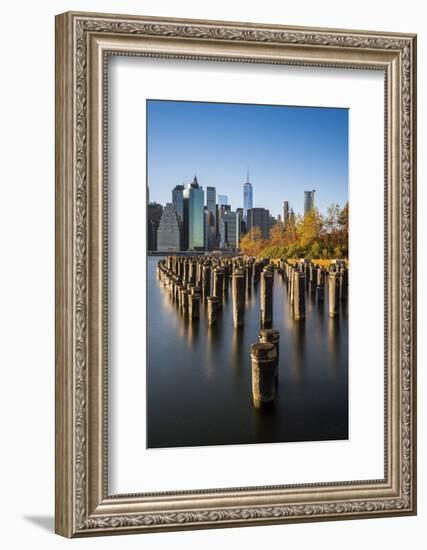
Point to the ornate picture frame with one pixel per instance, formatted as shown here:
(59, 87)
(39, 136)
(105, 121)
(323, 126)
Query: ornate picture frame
(83, 43)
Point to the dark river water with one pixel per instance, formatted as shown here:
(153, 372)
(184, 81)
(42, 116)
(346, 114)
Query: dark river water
(199, 378)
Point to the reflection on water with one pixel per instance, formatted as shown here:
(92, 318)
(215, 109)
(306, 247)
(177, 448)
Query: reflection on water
(199, 389)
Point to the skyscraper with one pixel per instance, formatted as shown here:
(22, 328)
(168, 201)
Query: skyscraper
(178, 200)
(210, 218)
(247, 198)
(222, 199)
(242, 222)
(230, 230)
(259, 217)
(285, 215)
(154, 213)
(168, 235)
(308, 201)
(194, 218)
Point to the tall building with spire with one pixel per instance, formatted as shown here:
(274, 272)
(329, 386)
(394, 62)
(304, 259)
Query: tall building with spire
(247, 198)
(194, 216)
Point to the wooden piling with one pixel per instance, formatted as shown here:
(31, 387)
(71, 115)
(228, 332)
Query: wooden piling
(299, 296)
(266, 299)
(320, 289)
(333, 294)
(238, 293)
(271, 336)
(193, 306)
(218, 283)
(212, 309)
(263, 366)
(206, 281)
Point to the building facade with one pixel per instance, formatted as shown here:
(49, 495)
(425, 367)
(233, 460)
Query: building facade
(247, 198)
(222, 199)
(168, 233)
(285, 213)
(259, 217)
(308, 201)
(178, 200)
(230, 230)
(194, 216)
(210, 218)
(154, 213)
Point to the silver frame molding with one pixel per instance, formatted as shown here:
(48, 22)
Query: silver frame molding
(83, 43)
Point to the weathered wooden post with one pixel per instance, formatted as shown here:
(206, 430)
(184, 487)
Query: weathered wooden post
(307, 273)
(266, 299)
(218, 283)
(213, 306)
(185, 273)
(226, 269)
(333, 293)
(320, 290)
(299, 296)
(313, 279)
(206, 281)
(271, 336)
(238, 292)
(193, 306)
(192, 272)
(263, 365)
(292, 272)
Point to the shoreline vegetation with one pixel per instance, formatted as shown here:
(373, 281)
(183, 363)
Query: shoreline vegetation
(312, 236)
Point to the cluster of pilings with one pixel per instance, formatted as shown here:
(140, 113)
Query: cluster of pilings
(306, 278)
(206, 281)
(195, 282)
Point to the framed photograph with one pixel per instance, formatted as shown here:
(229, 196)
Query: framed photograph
(235, 274)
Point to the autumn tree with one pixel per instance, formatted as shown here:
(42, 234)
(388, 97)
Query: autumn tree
(253, 242)
(310, 236)
(278, 235)
(310, 228)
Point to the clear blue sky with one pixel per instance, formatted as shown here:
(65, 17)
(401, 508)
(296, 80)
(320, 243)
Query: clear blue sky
(287, 150)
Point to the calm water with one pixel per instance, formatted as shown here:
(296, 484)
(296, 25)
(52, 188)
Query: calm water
(199, 377)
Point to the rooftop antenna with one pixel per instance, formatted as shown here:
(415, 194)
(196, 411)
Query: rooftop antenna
(247, 179)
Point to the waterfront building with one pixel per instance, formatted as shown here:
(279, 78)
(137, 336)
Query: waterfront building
(242, 221)
(154, 213)
(230, 230)
(308, 201)
(194, 216)
(222, 200)
(210, 218)
(168, 234)
(247, 198)
(259, 217)
(178, 201)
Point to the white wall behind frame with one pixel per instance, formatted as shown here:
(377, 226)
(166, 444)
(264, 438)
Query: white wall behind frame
(132, 467)
(26, 229)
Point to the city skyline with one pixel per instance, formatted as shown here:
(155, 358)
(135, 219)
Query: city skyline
(294, 149)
